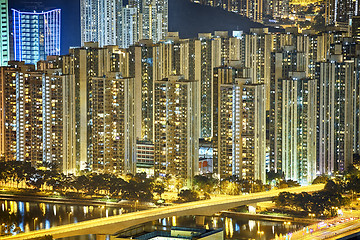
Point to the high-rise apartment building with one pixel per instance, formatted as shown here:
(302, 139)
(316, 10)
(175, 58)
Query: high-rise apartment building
(100, 21)
(110, 138)
(340, 11)
(248, 8)
(95, 71)
(59, 114)
(286, 60)
(356, 106)
(129, 27)
(204, 65)
(250, 163)
(279, 8)
(239, 132)
(29, 113)
(36, 35)
(94, 93)
(108, 22)
(287, 102)
(335, 115)
(68, 163)
(154, 20)
(176, 128)
(143, 67)
(257, 57)
(211, 51)
(32, 103)
(223, 138)
(8, 116)
(355, 28)
(4, 33)
(254, 10)
(296, 130)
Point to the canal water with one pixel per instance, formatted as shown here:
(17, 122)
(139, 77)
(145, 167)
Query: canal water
(28, 216)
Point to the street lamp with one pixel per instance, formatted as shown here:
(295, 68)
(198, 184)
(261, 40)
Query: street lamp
(35, 219)
(137, 201)
(69, 217)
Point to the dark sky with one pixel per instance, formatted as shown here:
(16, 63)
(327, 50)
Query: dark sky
(70, 35)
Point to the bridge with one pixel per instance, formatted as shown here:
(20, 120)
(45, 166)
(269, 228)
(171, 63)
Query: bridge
(112, 225)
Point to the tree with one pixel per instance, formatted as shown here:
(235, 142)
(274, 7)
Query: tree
(188, 195)
(81, 182)
(353, 184)
(283, 185)
(174, 183)
(356, 160)
(351, 171)
(159, 187)
(100, 182)
(283, 200)
(246, 185)
(205, 183)
(55, 179)
(230, 188)
(36, 179)
(179, 183)
(4, 171)
(258, 186)
(288, 183)
(292, 183)
(331, 186)
(272, 175)
(319, 203)
(144, 187)
(138, 188)
(325, 203)
(321, 179)
(303, 201)
(129, 190)
(116, 185)
(67, 183)
(21, 171)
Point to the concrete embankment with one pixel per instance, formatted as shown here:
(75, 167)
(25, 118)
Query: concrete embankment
(72, 201)
(269, 217)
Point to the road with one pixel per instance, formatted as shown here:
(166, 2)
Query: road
(340, 227)
(114, 224)
(332, 232)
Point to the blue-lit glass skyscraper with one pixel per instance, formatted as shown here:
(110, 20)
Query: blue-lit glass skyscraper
(36, 35)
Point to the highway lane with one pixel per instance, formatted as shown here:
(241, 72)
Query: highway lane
(115, 224)
(345, 234)
(333, 232)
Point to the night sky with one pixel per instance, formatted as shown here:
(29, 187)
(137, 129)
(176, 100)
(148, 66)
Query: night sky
(70, 18)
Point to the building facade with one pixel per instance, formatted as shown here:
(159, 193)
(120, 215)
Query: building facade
(36, 35)
(176, 130)
(32, 103)
(335, 116)
(296, 136)
(108, 22)
(100, 21)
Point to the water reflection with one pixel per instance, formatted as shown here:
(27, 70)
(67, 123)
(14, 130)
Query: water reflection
(234, 227)
(17, 216)
(27, 216)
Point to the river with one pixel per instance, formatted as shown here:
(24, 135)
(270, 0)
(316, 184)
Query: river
(29, 216)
